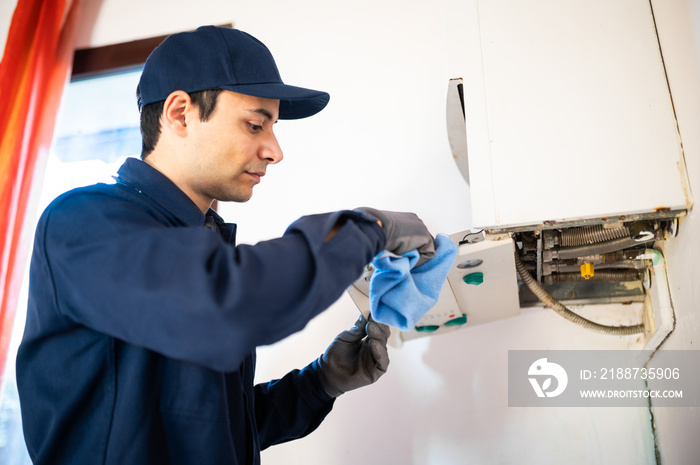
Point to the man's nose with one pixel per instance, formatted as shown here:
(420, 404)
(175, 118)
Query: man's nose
(271, 150)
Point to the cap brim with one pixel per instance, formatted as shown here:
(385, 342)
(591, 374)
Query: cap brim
(295, 102)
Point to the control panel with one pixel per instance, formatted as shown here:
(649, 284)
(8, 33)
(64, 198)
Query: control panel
(481, 287)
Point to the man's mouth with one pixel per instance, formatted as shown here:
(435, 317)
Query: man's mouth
(256, 175)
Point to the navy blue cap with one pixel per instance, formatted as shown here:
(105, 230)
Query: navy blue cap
(222, 58)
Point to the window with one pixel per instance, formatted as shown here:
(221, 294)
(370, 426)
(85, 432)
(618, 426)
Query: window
(96, 129)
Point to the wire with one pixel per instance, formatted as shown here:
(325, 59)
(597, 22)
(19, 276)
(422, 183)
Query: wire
(464, 239)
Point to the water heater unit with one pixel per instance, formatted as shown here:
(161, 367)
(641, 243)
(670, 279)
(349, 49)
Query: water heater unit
(563, 126)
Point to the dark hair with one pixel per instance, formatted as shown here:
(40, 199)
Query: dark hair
(204, 100)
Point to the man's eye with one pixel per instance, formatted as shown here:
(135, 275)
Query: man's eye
(255, 127)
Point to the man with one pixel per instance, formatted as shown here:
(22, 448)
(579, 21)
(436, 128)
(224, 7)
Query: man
(144, 316)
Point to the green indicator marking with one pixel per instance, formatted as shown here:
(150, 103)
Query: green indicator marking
(457, 321)
(474, 278)
(426, 329)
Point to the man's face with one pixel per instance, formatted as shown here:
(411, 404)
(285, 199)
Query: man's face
(230, 152)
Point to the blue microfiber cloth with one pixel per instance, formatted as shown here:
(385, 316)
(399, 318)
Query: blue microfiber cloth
(399, 295)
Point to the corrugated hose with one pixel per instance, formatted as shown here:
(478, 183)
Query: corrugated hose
(555, 305)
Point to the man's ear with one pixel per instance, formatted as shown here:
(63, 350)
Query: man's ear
(176, 108)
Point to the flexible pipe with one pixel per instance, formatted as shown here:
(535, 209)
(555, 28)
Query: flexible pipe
(555, 305)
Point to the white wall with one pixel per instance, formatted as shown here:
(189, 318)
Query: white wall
(678, 24)
(382, 142)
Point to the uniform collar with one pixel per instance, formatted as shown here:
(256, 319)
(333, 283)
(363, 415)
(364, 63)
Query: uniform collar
(156, 186)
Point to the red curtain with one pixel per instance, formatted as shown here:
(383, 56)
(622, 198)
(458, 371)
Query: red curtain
(33, 73)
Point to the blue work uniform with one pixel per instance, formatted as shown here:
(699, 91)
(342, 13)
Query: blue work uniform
(143, 320)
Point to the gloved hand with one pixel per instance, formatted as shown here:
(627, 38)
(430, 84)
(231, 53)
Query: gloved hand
(405, 232)
(356, 358)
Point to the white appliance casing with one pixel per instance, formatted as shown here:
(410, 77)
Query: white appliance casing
(569, 115)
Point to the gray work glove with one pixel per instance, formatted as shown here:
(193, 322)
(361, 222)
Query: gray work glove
(405, 232)
(356, 358)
